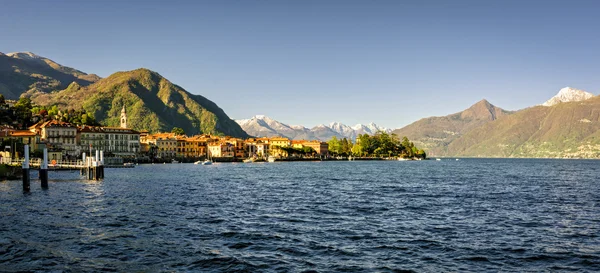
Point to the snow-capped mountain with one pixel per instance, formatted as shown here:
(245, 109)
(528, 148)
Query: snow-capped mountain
(23, 55)
(369, 129)
(263, 126)
(568, 94)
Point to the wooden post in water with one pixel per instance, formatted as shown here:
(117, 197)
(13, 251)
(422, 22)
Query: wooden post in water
(97, 163)
(44, 170)
(26, 178)
(101, 165)
(81, 171)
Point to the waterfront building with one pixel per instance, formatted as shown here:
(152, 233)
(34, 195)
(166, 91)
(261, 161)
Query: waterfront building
(90, 138)
(221, 149)
(275, 144)
(195, 146)
(298, 144)
(165, 143)
(192, 147)
(237, 145)
(320, 147)
(262, 148)
(121, 141)
(256, 147)
(10, 139)
(58, 136)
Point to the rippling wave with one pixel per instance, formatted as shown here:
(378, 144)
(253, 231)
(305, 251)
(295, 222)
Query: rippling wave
(429, 216)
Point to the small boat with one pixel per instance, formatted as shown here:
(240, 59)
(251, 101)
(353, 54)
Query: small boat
(128, 164)
(248, 160)
(457, 159)
(207, 161)
(402, 159)
(174, 161)
(271, 159)
(438, 159)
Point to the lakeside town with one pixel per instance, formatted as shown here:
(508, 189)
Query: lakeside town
(67, 141)
(68, 135)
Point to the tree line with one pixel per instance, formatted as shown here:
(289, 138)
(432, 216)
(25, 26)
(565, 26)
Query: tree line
(381, 144)
(24, 113)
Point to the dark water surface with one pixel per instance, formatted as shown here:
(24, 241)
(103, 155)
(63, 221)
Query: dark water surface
(429, 216)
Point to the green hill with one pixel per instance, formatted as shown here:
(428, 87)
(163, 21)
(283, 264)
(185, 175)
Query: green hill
(152, 103)
(25, 72)
(569, 130)
(434, 134)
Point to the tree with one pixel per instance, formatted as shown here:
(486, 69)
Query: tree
(334, 145)
(346, 146)
(357, 150)
(178, 131)
(23, 112)
(2, 100)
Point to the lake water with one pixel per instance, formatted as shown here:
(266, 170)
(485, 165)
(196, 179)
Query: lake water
(385, 216)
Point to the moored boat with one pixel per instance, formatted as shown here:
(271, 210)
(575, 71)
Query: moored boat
(207, 162)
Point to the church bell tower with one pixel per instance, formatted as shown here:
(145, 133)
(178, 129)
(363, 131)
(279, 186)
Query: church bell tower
(123, 118)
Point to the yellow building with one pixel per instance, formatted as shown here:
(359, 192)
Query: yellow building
(275, 144)
(320, 147)
(192, 147)
(165, 143)
(297, 144)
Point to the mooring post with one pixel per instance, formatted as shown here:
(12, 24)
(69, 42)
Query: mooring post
(82, 162)
(44, 170)
(26, 178)
(101, 167)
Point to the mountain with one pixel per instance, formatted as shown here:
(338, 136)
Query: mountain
(369, 129)
(152, 103)
(568, 129)
(568, 94)
(23, 72)
(434, 134)
(263, 126)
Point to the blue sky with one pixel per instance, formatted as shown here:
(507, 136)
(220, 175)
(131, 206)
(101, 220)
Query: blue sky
(312, 62)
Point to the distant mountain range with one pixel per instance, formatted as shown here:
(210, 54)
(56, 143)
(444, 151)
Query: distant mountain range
(152, 102)
(263, 126)
(567, 125)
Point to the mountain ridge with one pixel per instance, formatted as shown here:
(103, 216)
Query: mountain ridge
(564, 130)
(435, 133)
(152, 103)
(261, 125)
(23, 72)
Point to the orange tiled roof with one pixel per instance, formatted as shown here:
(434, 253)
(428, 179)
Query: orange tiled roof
(22, 133)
